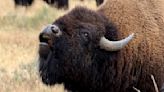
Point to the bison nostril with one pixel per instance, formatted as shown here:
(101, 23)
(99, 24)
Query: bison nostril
(54, 30)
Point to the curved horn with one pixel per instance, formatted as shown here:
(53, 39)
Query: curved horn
(114, 45)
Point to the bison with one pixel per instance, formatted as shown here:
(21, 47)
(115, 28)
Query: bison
(23, 2)
(58, 3)
(99, 2)
(113, 49)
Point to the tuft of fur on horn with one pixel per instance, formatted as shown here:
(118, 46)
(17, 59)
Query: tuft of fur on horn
(114, 45)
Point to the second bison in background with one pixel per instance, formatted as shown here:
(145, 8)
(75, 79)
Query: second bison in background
(98, 2)
(55, 3)
(23, 2)
(58, 3)
(82, 48)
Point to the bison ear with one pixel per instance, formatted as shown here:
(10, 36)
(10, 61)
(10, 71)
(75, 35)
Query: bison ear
(111, 32)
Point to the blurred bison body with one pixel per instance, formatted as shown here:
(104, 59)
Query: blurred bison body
(81, 49)
(58, 3)
(23, 2)
(98, 2)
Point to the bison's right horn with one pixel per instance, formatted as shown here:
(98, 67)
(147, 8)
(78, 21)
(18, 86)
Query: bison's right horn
(114, 45)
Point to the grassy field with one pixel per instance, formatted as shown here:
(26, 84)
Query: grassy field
(19, 29)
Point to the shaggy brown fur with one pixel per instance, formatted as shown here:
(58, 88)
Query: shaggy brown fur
(145, 55)
(76, 59)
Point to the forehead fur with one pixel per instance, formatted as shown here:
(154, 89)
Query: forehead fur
(86, 15)
(81, 16)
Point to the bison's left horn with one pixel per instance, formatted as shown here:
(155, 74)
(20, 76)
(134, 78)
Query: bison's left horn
(114, 45)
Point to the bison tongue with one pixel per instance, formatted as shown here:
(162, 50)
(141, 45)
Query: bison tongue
(45, 40)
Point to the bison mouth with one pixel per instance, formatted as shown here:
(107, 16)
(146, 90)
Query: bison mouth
(44, 56)
(48, 35)
(44, 46)
(45, 53)
(45, 39)
(48, 61)
(47, 72)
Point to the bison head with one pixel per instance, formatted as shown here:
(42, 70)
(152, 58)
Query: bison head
(73, 48)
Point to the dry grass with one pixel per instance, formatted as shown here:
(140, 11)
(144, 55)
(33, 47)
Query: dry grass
(19, 29)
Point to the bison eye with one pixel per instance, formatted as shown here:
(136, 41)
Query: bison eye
(85, 36)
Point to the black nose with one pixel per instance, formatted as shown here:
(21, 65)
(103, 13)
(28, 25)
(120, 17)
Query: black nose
(49, 32)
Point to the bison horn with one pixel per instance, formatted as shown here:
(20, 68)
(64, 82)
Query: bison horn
(114, 45)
